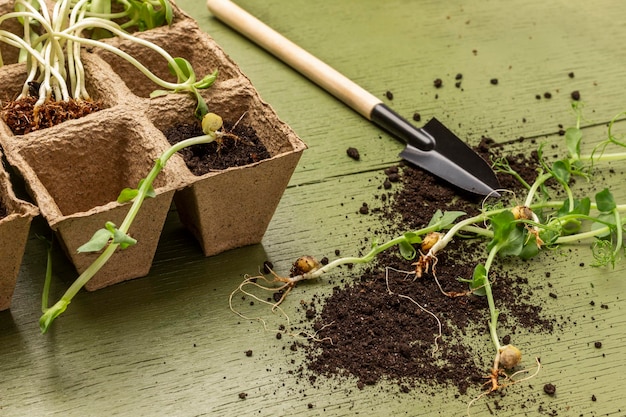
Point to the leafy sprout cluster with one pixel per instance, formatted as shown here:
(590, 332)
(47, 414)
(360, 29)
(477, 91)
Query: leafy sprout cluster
(52, 40)
(50, 47)
(550, 215)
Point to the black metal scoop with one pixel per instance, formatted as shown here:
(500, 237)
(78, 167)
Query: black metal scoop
(432, 147)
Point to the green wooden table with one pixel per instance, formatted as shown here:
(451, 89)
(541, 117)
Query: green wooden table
(167, 344)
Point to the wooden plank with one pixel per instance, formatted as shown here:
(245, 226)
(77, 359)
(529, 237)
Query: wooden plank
(168, 344)
(399, 47)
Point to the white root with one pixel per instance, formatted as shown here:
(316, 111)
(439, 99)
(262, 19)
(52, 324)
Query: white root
(439, 325)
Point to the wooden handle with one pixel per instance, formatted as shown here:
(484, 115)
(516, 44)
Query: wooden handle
(311, 67)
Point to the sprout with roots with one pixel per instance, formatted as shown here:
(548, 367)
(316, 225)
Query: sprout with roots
(521, 230)
(111, 238)
(51, 49)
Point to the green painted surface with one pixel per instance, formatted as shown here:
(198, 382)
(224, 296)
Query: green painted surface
(167, 344)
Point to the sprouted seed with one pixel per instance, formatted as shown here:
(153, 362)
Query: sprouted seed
(549, 217)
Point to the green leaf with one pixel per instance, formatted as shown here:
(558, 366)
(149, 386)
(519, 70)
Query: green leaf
(149, 18)
(561, 171)
(604, 219)
(207, 81)
(443, 219)
(573, 136)
(502, 224)
(150, 193)
(167, 11)
(478, 281)
(580, 207)
(127, 194)
(530, 248)
(185, 70)
(435, 219)
(123, 239)
(407, 250)
(514, 243)
(605, 201)
(413, 238)
(450, 217)
(571, 225)
(201, 108)
(97, 242)
(159, 93)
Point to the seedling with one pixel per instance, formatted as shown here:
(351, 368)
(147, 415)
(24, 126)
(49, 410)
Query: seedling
(540, 222)
(112, 237)
(51, 48)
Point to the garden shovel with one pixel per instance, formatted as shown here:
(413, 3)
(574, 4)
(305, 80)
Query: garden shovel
(432, 147)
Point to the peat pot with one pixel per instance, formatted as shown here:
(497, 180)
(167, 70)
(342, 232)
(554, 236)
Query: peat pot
(76, 170)
(15, 218)
(228, 208)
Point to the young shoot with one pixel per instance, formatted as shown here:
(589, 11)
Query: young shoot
(541, 222)
(142, 14)
(112, 238)
(51, 49)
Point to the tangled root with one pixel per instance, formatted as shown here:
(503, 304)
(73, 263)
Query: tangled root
(23, 117)
(497, 373)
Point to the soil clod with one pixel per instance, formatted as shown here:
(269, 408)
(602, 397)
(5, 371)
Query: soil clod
(353, 153)
(549, 389)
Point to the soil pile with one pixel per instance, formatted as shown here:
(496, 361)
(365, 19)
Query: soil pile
(387, 324)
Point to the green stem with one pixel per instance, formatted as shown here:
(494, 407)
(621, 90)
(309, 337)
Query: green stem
(51, 313)
(48, 279)
(371, 254)
(94, 22)
(493, 311)
(533, 189)
(610, 157)
(618, 232)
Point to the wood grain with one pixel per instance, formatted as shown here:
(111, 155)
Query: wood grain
(168, 344)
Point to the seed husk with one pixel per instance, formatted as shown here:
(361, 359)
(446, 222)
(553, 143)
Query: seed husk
(429, 240)
(304, 264)
(510, 356)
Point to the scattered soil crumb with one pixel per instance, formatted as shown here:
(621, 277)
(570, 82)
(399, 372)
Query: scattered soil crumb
(353, 153)
(549, 389)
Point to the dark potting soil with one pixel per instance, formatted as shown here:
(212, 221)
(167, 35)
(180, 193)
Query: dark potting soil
(20, 115)
(240, 147)
(3, 211)
(373, 329)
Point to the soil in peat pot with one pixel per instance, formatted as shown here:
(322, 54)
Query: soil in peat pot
(369, 330)
(22, 117)
(238, 148)
(3, 211)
